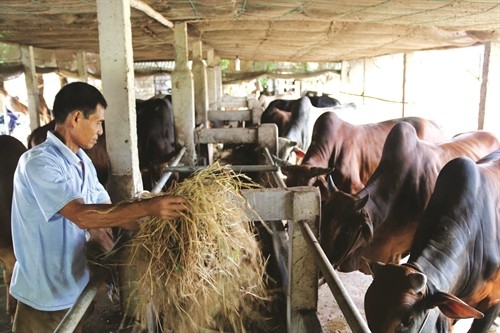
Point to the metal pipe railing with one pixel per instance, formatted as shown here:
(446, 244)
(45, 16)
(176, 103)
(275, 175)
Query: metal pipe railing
(164, 178)
(236, 168)
(77, 311)
(346, 305)
(270, 160)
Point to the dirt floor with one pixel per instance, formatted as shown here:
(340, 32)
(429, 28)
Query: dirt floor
(107, 316)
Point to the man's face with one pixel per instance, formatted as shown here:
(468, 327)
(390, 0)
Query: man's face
(89, 129)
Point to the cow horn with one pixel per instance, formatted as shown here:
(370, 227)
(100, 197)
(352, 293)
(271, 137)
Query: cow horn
(360, 203)
(315, 171)
(281, 163)
(331, 184)
(418, 281)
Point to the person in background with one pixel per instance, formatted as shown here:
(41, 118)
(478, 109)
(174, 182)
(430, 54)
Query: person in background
(56, 198)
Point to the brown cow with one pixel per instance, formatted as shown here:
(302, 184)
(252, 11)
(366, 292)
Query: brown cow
(454, 267)
(380, 220)
(352, 150)
(10, 151)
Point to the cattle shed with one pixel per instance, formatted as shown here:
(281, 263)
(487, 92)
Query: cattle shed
(102, 39)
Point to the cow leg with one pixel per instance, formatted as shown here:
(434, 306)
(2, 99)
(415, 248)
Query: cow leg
(482, 325)
(7, 260)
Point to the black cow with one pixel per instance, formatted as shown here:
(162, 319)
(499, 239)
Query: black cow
(10, 151)
(454, 267)
(155, 137)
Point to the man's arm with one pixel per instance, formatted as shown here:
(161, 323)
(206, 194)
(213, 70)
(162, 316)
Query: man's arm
(89, 216)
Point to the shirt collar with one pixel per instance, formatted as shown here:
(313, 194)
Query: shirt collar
(63, 149)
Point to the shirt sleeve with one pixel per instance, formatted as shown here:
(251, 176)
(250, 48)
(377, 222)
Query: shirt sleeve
(51, 186)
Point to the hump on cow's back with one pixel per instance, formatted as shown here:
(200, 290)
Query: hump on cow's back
(400, 141)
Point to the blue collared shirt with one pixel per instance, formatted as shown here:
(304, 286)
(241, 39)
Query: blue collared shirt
(51, 268)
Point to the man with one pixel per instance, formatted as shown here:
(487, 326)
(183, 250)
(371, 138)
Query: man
(56, 198)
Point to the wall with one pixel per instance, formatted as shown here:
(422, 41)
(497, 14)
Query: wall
(442, 85)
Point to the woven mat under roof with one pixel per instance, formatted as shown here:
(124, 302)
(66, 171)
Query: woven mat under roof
(263, 30)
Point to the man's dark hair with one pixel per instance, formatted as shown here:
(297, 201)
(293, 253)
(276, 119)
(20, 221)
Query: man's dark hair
(77, 96)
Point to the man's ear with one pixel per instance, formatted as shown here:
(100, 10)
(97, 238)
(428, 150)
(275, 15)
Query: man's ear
(75, 116)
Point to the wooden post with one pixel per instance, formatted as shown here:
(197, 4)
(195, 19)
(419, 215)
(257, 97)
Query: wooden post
(489, 102)
(28, 59)
(82, 66)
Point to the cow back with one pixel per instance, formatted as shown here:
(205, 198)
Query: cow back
(399, 191)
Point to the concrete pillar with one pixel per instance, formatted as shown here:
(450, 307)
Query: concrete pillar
(183, 95)
(28, 59)
(218, 79)
(118, 87)
(200, 85)
(211, 79)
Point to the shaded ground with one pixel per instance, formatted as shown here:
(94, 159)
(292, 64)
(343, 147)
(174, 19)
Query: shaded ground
(107, 317)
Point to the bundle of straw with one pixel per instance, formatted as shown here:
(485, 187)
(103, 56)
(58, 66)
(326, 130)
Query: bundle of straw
(203, 270)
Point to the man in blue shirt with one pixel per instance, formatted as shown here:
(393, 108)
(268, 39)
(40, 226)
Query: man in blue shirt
(57, 196)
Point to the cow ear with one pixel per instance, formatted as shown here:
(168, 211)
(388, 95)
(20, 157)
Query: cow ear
(418, 281)
(299, 152)
(360, 203)
(367, 230)
(453, 307)
(375, 266)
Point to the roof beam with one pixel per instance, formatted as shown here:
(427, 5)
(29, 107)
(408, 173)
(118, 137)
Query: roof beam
(146, 9)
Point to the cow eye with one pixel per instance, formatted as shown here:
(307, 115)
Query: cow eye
(406, 323)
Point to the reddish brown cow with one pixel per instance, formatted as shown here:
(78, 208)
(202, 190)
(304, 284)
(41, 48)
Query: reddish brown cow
(380, 220)
(454, 267)
(10, 151)
(352, 150)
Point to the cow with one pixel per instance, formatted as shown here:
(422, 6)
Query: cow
(10, 151)
(155, 137)
(379, 221)
(352, 152)
(453, 271)
(295, 120)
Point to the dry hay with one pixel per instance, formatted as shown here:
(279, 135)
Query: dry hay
(203, 270)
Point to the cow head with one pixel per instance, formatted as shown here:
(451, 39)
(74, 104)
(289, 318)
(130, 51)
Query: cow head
(345, 225)
(400, 300)
(306, 175)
